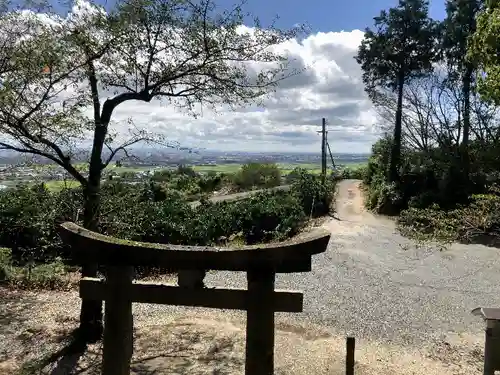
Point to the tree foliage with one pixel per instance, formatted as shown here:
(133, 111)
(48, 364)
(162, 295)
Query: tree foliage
(29, 216)
(180, 51)
(257, 175)
(450, 137)
(188, 54)
(457, 29)
(483, 51)
(401, 44)
(401, 47)
(458, 26)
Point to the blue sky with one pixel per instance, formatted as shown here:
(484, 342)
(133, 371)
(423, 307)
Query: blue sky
(330, 87)
(326, 15)
(321, 15)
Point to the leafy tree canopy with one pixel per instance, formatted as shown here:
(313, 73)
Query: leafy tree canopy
(484, 51)
(62, 78)
(457, 27)
(401, 46)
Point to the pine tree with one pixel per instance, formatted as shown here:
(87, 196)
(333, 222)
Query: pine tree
(458, 26)
(402, 46)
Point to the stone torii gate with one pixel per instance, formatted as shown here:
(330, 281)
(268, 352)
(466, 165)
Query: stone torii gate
(260, 299)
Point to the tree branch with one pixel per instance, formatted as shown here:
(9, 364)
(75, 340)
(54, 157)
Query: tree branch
(31, 150)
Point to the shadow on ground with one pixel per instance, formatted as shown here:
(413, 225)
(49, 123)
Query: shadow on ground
(196, 346)
(15, 308)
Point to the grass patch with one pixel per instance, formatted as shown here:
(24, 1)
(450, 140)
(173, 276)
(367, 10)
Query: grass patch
(51, 276)
(58, 185)
(285, 168)
(122, 169)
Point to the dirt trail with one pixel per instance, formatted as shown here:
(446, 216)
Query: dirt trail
(408, 307)
(349, 200)
(200, 342)
(351, 216)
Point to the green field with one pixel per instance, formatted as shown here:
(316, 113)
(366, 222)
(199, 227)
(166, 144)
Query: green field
(232, 168)
(56, 185)
(118, 170)
(285, 168)
(218, 168)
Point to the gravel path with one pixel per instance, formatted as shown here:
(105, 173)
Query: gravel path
(240, 196)
(409, 305)
(377, 285)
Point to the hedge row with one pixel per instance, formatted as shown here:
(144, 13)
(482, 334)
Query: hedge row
(29, 216)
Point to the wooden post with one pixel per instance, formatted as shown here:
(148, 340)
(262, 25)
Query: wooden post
(492, 348)
(349, 358)
(323, 149)
(118, 322)
(260, 323)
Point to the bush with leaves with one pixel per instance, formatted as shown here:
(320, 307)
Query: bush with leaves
(264, 217)
(163, 175)
(427, 178)
(184, 170)
(186, 180)
(5, 264)
(353, 173)
(314, 196)
(52, 275)
(476, 221)
(257, 175)
(210, 183)
(269, 216)
(29, 216)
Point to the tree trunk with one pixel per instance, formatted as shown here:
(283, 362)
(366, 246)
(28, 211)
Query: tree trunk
(466, 89)
(395, 161)
(91, 311)
(91, 320)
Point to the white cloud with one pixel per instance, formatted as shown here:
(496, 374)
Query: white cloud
(330, 87)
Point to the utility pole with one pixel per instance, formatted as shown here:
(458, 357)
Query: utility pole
(323, 149)
(325, 156)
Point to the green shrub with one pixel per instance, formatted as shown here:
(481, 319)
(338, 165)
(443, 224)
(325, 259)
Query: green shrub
(128, 175)
(353, 173)
(478, 220)
(257, 175)
(184, 170)
(5, 264)
(186, 180)
(151, 212)
(210, 183)
(435, 176)
(378, 162)
(431, 223)
(383, 197)
(269, 216)
(315, 197)
(50, 276)
(293, 175)
(27, 221)
(163, 175)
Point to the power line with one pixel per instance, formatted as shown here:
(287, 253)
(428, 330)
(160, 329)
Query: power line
(324, 146)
